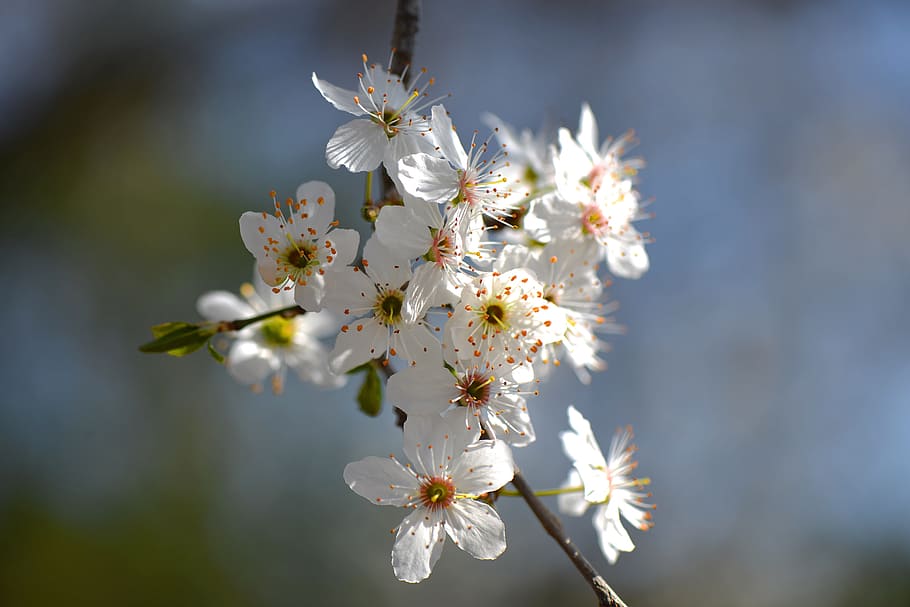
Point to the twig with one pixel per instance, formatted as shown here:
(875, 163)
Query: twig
(553, 526)
(235, 325)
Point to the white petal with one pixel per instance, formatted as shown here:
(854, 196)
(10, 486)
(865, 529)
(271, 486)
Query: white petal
(428, 178)
(573, 504)
(627, 260)
(317, 201)
(222, 305)
(348, 292)
(422, 390)
(358, 345)
(401, 229)
(382, 480)
(428, 287)
(415, 343)
(446, 137)
(418, 545)
(404, 144)
(358, 145)
(431, 442)
(476, 528)
(250, 363)
(482, 466)
(310, 296)
(587, 130)
(384, 266)
(343, 99)
(345, 243)
(611, 535)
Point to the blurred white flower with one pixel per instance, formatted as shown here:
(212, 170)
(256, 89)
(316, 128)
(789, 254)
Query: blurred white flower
(607, 483)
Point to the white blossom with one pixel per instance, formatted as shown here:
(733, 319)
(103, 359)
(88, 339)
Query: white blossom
(607, 483)
(270, 347)
(294, 251)
(392, 125)
(373, 299)
(449, 470)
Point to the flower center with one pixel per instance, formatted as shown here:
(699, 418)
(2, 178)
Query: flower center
(301, 256)
(495, 316)
(277, 331)
(388, 307)
(437, 493)
(594, 222)
(474, 388)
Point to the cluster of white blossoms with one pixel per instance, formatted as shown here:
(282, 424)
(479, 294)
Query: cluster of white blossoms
(482, 276)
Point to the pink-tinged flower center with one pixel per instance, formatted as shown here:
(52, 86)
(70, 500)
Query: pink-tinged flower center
(437, 493)
(474, 389)
(595, 177)
(442, 249)
(593, 221)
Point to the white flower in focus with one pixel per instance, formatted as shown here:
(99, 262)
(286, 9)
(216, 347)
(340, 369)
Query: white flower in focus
(449, 469)
(419, 230)
(374, 300)
(483, 397)
(268, 348)
(607, 483)
(504, 313)
(392, 127)
(294, 251)
(466, 182)
(568, 271)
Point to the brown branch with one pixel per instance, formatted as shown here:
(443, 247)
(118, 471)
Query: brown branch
(553, 526)
(404, 40)
(235, 325)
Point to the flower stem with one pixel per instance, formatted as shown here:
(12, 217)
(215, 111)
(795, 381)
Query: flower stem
(368, 193)
(544, 492)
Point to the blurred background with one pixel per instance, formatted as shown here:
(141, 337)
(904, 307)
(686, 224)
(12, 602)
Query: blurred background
(766, 368)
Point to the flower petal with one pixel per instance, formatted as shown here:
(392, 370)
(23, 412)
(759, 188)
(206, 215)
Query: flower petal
(249, 363)
(364, 340)
(573, 504)
(222, 305)
(476, 528)
(428, 178)
(382, 480)
(342, 99)
(358, 145)
(422, 390)
(400, 228)
(446, 137)
(482, 466)
(317, 201)
(418, 545)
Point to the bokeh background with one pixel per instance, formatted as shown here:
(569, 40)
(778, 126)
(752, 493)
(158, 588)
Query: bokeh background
(766, 367)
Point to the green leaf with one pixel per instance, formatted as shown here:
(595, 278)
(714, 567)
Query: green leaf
(369, 397)
(218, 356)
(178, 338)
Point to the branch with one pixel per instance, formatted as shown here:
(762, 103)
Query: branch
(404, 40)
(553, 526)
(235, 325)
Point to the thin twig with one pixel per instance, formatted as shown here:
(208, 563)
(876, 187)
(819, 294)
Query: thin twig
(553, 526)
(235, 325)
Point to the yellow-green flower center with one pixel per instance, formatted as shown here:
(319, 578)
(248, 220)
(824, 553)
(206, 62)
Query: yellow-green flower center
(278, 331)
(388, 307)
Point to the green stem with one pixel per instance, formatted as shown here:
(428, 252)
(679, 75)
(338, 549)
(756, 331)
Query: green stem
(368, 194)
(544, 492)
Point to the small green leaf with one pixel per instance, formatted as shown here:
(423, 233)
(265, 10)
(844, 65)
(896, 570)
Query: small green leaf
(369, 397)
(178, 338)
(218, 356)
